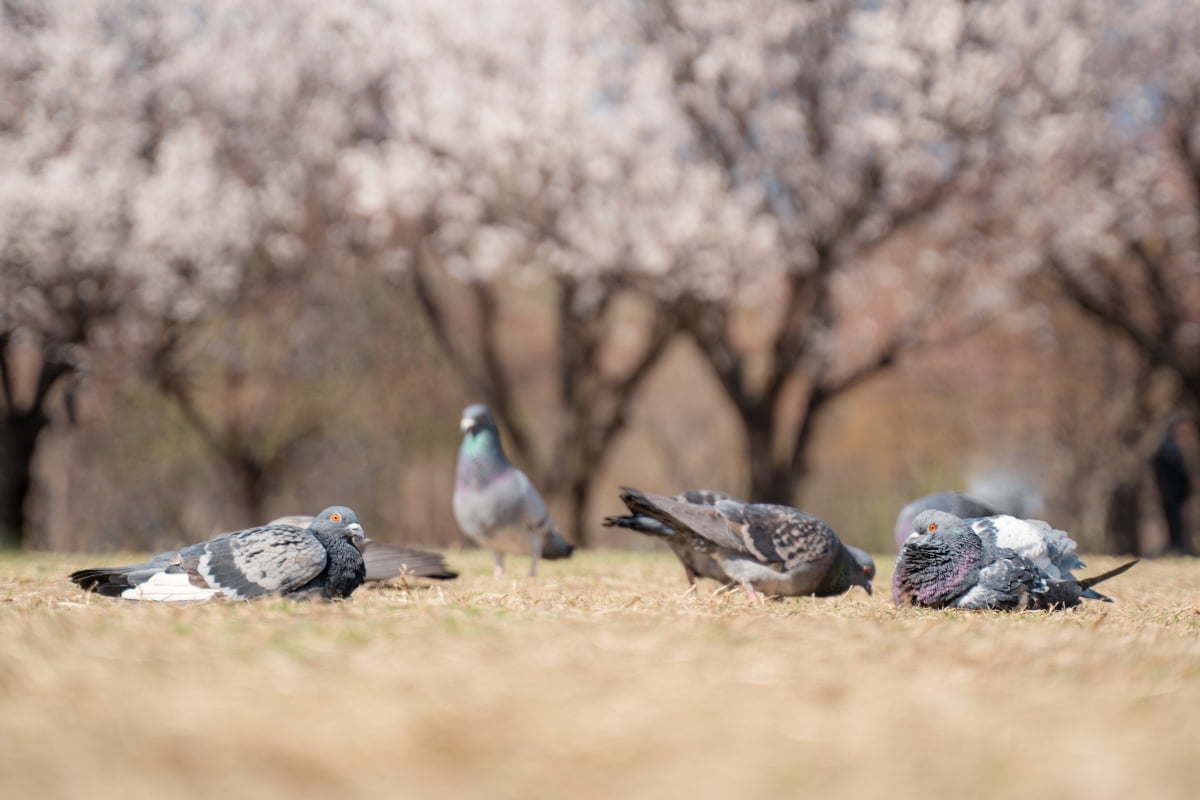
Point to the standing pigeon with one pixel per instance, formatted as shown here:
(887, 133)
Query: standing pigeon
(956, 503)
(385, 561)
(767, 548)
(948, 562)
(696, 563)
(494, 503)
(320, 560)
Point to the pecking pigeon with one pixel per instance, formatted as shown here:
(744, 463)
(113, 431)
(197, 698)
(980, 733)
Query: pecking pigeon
(956, 503)
(696, 563)
(320, 560)
(494, 503)
(385, 561)
(951, 562)
(767, 548)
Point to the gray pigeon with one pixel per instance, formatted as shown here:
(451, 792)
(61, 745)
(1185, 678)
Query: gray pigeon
(696, 563)
(494, 503)
(766, 548)
(956, 503)
(947, 562)
(385, 561)
(318, 561)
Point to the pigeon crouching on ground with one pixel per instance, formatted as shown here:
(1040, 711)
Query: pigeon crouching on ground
(385, 561)
(696, 563)
(495, 505)
(320, 560)
(950, 562)
(956, 503)
(772, 549)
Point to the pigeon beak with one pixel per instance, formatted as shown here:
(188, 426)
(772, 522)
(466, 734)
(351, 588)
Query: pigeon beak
(466, 424)
(867, 586)
(356, 532)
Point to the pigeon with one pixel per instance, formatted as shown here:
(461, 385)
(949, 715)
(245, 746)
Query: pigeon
(696, 563)
(317, 561)
(776, 550)
(385, 561)
(495, 505)
(949, 562)
(956, 503)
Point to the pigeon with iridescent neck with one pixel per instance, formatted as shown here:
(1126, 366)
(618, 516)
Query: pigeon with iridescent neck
(948, 562)
(495, 505)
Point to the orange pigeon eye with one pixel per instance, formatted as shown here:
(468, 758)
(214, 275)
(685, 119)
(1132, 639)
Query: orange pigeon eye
(933, 526)
(336, 517)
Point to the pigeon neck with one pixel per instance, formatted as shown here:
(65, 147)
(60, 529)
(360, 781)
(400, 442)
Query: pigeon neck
(480, 458)
(935, 571)
(344, 571)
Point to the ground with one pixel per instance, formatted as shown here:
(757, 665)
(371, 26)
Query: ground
(601, 678)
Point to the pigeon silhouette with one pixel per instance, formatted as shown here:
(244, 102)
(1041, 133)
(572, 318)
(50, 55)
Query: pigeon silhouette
(495, 505)
(947, 562)
(316, 561)
(773, 549)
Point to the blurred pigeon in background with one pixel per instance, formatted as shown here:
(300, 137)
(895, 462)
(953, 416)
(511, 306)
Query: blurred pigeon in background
(948, 562)
(385, 561)
(696, 563)
(772, 549)
(494, 503)
(956, 503)
(320, 560)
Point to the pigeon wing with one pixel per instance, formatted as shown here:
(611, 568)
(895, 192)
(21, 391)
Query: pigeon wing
(775, 534)
(256, 561)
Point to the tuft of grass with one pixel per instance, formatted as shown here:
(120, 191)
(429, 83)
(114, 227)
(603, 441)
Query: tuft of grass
(606, 676)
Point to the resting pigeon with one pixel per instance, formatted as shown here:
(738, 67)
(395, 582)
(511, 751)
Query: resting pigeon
(494, 503)
(318, 561)
(956, 503)
(767, 548)
(950, 562)
(385, 561)
(696, 563)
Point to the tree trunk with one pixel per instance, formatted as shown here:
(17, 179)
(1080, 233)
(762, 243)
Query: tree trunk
(577, 511)
(19, 433)
(769, 478)
(1124, 514)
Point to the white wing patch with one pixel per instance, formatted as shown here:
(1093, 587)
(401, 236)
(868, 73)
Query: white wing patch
(1026, 539)
(170, 587)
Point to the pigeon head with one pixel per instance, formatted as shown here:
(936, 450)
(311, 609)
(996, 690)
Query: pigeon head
(339, 521)
(865, 572)
(476, 418)
(935, 523)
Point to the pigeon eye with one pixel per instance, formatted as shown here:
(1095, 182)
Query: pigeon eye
(335, 517)
(933, 526)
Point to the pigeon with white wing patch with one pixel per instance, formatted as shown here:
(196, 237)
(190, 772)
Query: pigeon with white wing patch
(949, 562)
(317, 561)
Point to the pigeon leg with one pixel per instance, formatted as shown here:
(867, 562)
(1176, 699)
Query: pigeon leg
(498, 569)
(691, 575)
(534, 556)
(755, 597)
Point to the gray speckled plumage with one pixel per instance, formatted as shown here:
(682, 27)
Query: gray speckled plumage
(320, 560)
(766, 548)
(949, 563)
(385, 561)
(696, 563)
(495, 505)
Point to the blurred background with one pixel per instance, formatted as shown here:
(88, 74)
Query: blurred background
(255, 257)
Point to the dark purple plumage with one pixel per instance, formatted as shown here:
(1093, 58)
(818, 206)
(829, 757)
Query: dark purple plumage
(948, 564)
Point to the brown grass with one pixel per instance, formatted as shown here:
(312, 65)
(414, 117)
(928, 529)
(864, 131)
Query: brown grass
(603, 678)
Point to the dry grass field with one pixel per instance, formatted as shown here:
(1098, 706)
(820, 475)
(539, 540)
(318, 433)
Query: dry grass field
(603, 678)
